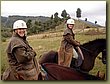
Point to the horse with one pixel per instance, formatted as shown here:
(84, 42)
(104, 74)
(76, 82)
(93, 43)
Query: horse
(58, 72)
(54, 71)
(90, 51)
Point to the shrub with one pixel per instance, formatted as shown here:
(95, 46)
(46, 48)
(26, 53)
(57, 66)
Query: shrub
(3, 39)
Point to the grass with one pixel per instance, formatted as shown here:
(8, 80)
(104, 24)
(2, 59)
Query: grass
(51, 41)
(44, 45)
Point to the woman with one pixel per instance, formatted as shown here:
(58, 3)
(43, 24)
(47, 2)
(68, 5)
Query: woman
(21, 56)
(68, 44)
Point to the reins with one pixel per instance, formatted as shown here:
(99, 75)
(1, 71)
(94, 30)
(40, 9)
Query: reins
(86, 49)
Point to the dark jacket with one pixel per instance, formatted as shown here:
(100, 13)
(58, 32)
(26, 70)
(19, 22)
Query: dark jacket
(65, 52)
(21, 58)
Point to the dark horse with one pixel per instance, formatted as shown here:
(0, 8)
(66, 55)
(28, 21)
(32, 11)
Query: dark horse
(58, 72)
(90, 51)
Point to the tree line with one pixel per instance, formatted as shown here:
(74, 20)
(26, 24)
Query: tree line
(54, 21)
(39, 26)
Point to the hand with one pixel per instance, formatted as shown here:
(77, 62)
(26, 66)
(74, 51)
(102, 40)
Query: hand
(32, 51)
(78, 44)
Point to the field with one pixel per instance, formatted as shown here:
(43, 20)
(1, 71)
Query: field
(51, 41)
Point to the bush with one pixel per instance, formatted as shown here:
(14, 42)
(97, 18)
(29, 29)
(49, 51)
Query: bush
(3, 39)
(6, 34)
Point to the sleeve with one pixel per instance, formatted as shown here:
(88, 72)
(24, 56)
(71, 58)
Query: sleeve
(69, 39)
(22, 54)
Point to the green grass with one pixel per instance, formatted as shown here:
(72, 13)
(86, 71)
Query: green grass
(44, 45)
(46, 42)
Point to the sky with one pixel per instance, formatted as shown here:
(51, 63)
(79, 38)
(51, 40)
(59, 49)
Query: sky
(92, 10)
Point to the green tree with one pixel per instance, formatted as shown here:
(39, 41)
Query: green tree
(64, 14)
(29, 23)
(56, 18)
(78, 13)
(36, 23)
(33, 29)
(85, 19)
(95, 22)
(39, 23)
(51, 17)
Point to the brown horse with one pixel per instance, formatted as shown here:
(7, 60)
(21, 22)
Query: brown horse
(58, 72)
(90, 51)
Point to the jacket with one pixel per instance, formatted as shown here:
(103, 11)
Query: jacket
(21, 58)
(65, 51)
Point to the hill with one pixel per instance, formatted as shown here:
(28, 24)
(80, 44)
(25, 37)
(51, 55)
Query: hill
(85, 24)
(8, 21)
(45, 24)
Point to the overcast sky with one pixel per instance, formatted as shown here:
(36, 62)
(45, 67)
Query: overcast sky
(93, 10)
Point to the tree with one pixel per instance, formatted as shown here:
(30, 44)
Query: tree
(36, 23)
(56, 18)
(85, 19)
(39, 23)
(51, 17)
(64, 14)
(95, 22)
(78, 13)
(97, 27)
(29, 24)
(33, 29)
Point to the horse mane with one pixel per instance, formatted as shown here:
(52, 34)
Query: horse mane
(94, 41)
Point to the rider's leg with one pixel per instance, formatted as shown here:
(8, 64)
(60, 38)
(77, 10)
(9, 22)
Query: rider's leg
(80, 52)
(75, 54)
(75, 57)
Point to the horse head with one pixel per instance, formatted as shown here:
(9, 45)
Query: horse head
(90, 51)
(103, 51)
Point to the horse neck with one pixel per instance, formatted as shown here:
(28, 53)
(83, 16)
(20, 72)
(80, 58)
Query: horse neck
(93, 47)
(90, 52)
